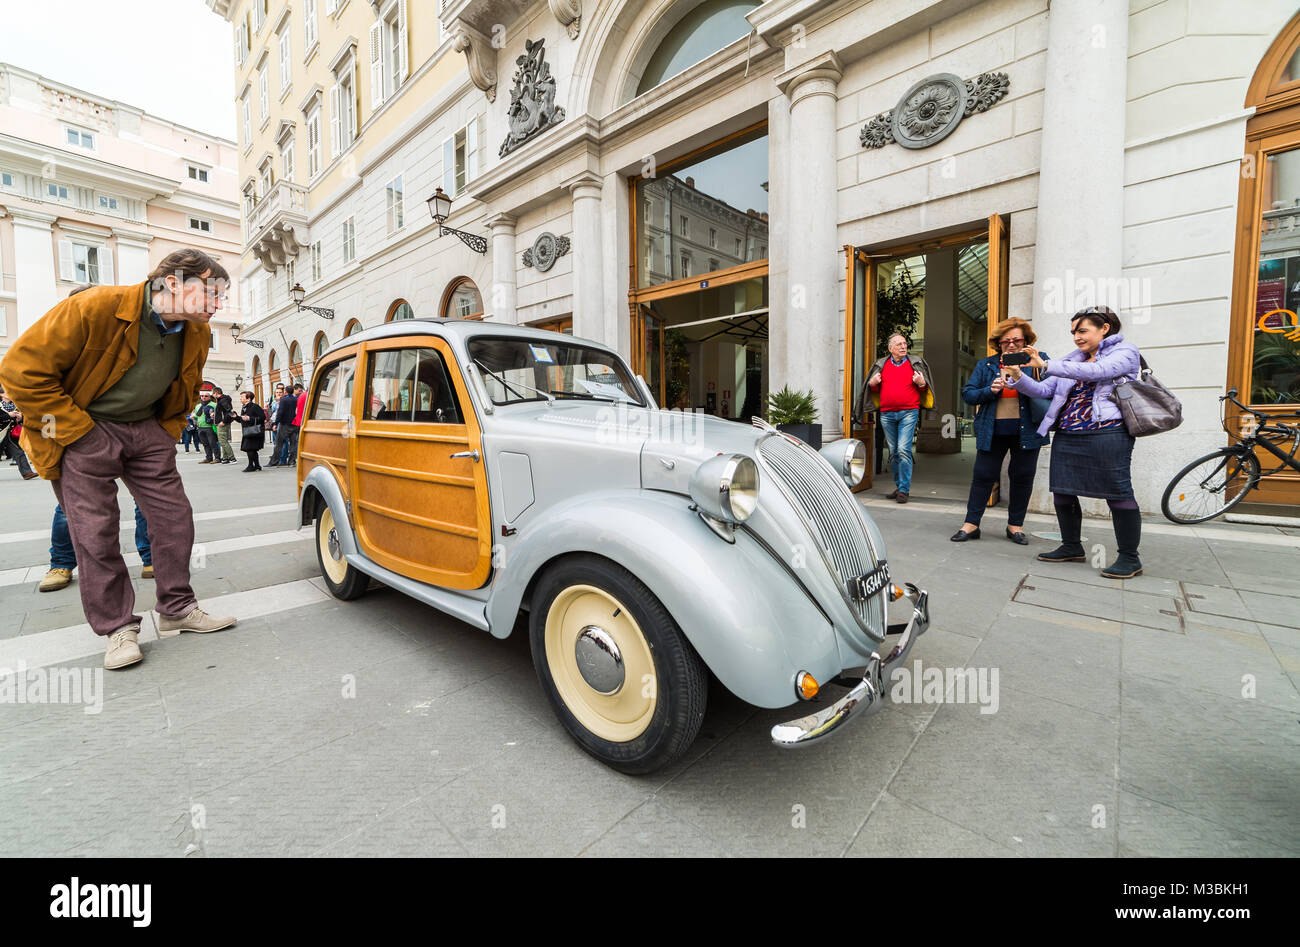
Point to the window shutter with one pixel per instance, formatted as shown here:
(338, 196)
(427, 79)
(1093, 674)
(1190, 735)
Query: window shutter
(329, 6)
(286, 76)
(106, 265)
(67, 271)
(336, 104)
(449, 166)
(376, 64)
(239, 45)
(356, 99)
(471, 150)
(403, 43)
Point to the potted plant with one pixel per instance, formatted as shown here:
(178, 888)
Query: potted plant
(795, 412)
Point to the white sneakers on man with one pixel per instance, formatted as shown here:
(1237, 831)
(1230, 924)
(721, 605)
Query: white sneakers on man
(123, 648)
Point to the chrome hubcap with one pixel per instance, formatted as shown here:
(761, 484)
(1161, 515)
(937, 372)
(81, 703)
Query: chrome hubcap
(333, 545)
(599, 661)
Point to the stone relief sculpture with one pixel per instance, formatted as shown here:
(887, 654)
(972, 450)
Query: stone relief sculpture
(546, 249)
(532, 100)
(932, 109)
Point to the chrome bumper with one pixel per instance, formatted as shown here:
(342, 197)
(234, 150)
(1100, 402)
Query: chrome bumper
(868, 695)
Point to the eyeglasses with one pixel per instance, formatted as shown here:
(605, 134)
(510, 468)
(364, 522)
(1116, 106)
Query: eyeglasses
(1011, 341)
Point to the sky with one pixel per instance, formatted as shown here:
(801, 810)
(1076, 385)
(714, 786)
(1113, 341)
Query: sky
(171, 58)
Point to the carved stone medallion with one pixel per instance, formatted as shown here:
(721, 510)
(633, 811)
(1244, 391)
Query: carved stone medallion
(546, 249)
(929, 111)
(532, 100)
(933, 108)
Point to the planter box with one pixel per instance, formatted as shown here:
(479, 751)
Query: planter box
(808, 433)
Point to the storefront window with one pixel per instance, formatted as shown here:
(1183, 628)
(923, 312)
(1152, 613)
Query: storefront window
(701, 33)
(704, 215)
(1275, 362)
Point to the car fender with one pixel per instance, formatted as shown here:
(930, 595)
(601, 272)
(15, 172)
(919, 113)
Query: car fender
(320, 481)
(739, 607)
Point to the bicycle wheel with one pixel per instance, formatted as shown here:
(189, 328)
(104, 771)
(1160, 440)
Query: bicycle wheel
(1209, 486)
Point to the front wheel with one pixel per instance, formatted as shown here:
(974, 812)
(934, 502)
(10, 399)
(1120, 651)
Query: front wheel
(1210, 486)
(343, 580)
(619, 673)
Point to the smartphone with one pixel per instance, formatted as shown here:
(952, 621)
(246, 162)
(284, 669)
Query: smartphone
(1015, 358)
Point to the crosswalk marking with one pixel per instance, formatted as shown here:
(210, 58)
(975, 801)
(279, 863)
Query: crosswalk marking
(236, 544)
(74, 642)
(30, 534)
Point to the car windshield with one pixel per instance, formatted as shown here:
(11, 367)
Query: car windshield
(531, 369)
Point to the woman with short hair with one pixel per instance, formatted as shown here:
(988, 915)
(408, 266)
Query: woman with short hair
(1005, 422)
(253, 421)
(1092, 452)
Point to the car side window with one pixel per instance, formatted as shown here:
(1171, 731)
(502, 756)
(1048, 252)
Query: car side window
(334, 395)
(411, 385)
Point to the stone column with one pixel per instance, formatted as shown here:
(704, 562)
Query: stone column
(132, 256)
(809, 317)
(35, 268)
(1078, 256)
(502, 298)
(588, 304)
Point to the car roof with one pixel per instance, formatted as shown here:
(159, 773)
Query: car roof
(459, 328)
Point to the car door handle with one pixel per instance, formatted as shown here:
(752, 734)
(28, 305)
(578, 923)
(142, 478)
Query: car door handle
(471, 454)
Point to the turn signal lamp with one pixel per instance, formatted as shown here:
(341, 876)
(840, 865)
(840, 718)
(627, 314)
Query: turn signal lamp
(806, 685)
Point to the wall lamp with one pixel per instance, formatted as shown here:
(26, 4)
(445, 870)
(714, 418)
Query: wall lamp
(299, 294)
(439, 209)
(255, 343)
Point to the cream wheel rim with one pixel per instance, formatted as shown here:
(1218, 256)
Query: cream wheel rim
(578, 614)
(331, 550)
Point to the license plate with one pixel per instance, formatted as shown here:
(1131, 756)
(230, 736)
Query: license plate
(868, 584)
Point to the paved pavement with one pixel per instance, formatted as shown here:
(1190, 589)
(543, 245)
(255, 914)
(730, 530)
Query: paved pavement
(1157, 716)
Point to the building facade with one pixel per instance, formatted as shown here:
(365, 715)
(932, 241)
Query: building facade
(97, 191)
(740, 196)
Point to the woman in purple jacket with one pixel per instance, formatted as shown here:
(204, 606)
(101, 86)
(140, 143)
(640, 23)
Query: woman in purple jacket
(1092, 450)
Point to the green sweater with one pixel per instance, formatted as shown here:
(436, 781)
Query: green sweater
(157, 365)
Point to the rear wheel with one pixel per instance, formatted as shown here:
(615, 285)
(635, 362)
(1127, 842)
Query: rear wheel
(343, 580)
(618, 672)
(1209, 486)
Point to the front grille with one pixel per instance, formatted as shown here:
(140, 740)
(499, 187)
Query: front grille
(830, 513)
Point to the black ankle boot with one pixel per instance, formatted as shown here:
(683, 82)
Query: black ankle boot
(1070, 520)
(1128, 533)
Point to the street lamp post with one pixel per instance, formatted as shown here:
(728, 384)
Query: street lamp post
(299, 294)
(439, 209)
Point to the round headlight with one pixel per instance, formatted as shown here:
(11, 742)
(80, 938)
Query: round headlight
(726, 487)
(849, 458)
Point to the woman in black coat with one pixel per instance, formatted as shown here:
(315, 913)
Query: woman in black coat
(253, 419)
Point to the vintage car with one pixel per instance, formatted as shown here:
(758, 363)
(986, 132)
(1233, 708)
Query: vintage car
(487, 469)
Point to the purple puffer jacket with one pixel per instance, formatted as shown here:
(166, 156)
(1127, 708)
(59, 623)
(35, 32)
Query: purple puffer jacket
(1116, 359)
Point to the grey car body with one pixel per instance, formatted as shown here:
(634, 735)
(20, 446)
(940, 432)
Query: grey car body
(760, 606)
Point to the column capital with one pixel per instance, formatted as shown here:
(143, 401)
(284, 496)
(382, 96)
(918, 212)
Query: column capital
(817, 76)
(501, 223)
(586, 184)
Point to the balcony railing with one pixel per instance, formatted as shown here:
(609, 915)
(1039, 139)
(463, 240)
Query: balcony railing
(284, 200)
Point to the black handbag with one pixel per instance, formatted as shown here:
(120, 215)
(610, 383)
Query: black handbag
(251, 430)
(1146, 405)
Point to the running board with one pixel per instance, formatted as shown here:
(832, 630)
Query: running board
(449, 603)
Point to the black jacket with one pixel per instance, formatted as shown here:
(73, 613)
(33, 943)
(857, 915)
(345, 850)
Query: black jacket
(225, 412)
(286, 410)
(252, 413)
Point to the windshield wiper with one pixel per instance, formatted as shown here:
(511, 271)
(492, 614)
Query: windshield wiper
(511, 388)
(588, 396)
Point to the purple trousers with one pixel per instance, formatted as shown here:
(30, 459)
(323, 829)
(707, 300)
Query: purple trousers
(143, 456)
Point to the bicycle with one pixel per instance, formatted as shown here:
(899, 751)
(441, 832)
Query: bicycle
(1215, 483)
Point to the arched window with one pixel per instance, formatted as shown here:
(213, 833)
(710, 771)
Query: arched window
(274, 361)
(462, 300)
(400, 309)
(257, 379)
(354, 326)
(1264, 359)
(699, 34)
(319, 346)
(295, 362)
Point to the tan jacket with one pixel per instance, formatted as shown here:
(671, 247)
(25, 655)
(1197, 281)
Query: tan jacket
(76, 352)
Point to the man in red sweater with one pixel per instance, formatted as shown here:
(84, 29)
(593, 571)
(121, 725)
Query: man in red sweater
(900, 386)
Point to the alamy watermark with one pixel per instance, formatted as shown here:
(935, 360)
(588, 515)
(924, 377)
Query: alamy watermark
(935, 685)
(56, 685)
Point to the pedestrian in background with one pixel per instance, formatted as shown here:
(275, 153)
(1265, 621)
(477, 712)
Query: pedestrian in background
(285, 409)
(190, 435)
(1092, 452)
(12, 421)
(272, 409)
(1006, 422)
(899, 386)
(63, 556)
(116, 369)
(204, 419)
(295, 426)
(252, 421)
(223, 414)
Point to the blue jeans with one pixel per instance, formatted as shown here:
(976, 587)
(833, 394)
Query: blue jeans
(63, 556)
(900, 430)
